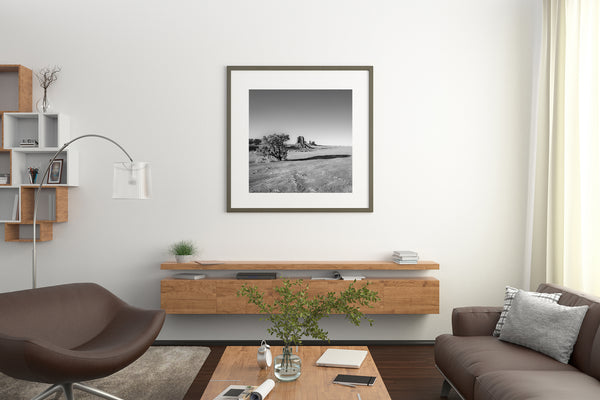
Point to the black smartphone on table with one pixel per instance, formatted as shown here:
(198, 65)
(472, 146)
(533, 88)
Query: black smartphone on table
(354, 380)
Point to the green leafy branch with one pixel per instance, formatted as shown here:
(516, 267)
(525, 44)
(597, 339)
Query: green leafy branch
(294, 315)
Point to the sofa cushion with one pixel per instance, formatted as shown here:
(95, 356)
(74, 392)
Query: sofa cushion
(463, 358)
(536, 385)
(509, 296)
(542, 326)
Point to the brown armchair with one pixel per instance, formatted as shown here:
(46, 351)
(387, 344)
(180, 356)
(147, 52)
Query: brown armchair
(66, 334)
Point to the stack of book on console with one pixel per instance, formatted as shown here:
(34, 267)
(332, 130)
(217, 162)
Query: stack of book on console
(405, 257)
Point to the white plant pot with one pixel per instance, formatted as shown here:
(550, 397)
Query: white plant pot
(183, 259)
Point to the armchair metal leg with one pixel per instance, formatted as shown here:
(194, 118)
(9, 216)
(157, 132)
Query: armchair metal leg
(445, 389)
(51, 390)
(95, 392)
(67, 389)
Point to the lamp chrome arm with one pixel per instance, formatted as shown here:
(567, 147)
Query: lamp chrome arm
(39, 189)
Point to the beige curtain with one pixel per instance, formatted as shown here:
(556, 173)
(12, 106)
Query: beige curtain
(565, 226)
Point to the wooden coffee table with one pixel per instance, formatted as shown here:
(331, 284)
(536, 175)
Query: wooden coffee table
(238, 367)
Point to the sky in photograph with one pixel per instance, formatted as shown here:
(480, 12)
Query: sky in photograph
(322, 116)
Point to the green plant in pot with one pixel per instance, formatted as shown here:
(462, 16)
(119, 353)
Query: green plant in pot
(183, 250)
(294, 315)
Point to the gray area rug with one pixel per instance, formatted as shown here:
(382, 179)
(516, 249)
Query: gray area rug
(162, 373)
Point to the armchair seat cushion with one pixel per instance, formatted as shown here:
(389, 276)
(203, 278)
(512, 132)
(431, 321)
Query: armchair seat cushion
(71, 333)
(463, 358)
(117, 346)
(536, 385)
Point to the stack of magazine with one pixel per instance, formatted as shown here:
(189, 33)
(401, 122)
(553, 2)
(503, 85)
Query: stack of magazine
(405, 257)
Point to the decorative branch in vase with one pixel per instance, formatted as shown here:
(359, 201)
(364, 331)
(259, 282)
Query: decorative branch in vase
(294, 315)
(46, 76)
(33, 173)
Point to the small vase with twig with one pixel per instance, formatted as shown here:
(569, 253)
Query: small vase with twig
(46, 76)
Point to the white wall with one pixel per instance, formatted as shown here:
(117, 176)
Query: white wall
(452, 102)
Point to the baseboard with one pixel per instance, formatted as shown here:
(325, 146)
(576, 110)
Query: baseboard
(304, 343)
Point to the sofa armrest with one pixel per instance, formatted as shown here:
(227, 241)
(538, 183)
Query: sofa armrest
(475, 321)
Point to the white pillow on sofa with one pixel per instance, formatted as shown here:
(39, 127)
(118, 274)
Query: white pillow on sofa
(546, 327)
(509, 295)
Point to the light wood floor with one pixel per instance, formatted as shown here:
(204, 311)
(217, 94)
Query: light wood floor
(407, 371)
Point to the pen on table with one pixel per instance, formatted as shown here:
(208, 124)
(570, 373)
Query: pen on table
(359, 398)
(345, 384)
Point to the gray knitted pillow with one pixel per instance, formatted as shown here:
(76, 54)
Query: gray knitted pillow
(549, 328)
(508, 298)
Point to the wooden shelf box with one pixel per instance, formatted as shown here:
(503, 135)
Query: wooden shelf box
(53, 204)
(219, 296)
(418, 295)
(15, 88)
(24, 233)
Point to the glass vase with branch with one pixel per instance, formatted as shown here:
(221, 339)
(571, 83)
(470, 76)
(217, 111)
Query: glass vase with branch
(46, 76)
(294, 314)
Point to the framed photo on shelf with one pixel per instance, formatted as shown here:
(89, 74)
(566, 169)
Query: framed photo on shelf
(55, 173)
(299, 139)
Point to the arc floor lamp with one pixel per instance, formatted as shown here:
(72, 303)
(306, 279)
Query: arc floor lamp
(131, 180)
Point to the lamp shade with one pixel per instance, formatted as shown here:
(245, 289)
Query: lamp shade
(131, 180)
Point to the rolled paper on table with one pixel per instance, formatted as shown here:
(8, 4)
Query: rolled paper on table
(263, 390)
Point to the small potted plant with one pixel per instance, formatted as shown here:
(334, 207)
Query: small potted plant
(183, 251)
(293, 315)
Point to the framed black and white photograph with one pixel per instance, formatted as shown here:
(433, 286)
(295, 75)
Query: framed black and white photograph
(300, 139)
(55, 171)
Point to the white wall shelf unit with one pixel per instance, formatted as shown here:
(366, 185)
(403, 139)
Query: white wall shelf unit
(39, 158)
(48, 132)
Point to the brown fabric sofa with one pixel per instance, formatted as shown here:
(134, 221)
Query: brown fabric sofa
(479, 366)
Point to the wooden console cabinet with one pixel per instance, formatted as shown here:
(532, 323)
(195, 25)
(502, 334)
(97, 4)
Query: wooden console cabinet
(419, 295)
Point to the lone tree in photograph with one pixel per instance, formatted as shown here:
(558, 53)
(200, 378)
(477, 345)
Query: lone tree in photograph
(274, 146)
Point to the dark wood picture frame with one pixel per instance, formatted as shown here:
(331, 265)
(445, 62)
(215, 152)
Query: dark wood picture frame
(55, 173)
(247, 86)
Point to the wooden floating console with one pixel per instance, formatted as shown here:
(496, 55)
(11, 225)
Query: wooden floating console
(419, 295)
(300, 265)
